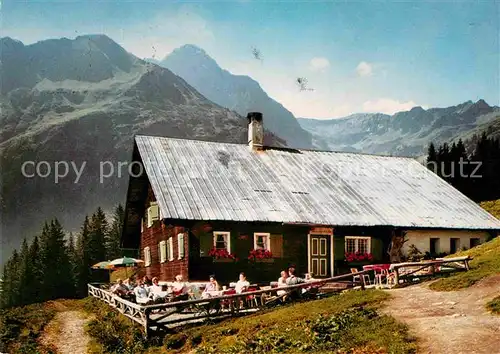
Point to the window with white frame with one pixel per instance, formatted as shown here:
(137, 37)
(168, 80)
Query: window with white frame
(180, 245)
(357, 244)
(222, 240)
(163, 251)
(171, 249)
(262, 241)
(147, 256)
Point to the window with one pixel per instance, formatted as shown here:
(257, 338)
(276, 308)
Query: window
(357, 244)
(153, 213)
(170, 249)
(147, 256)
(454, 245)
(474, 242)
(222, 240)
(261, 241)
(180, 245)
(163, 251)
(434, 246)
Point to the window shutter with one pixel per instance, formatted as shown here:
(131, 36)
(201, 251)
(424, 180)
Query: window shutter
(180, 245)
(142, 225)
(153, 213)
(147, 257)
(163, 252)
(167, 251)
(171, 249)
(277, 245)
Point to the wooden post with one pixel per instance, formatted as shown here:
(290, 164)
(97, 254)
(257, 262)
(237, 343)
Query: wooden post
(147, 330)
(396, 276)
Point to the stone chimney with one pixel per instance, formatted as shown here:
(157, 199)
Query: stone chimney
(255, 131)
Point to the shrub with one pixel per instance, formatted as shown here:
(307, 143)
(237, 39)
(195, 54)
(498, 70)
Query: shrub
(175, 341)
(331, 329)
(414, 254)
(114, 332)
(196, 339)
(20, 328)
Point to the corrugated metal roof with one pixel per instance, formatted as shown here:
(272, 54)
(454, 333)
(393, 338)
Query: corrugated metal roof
(200, 180)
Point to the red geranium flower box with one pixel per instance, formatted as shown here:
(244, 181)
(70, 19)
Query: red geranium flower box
(260, 255)
(221, 255)
(358, 257)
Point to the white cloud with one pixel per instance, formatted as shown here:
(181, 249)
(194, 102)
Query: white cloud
(319, 64)
(387, 106)
(364, 69)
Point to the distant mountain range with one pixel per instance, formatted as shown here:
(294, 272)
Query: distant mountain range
(236, 92)
(404, 133)
(83, 100)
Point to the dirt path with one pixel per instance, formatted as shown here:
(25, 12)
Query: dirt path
(450, 322)
(66, 332)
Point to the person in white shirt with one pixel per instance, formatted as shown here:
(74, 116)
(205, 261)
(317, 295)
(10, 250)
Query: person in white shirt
(180, 288)
(282, 282)
(141, 293)
(156, 291)
(212, 288)
(242, 284)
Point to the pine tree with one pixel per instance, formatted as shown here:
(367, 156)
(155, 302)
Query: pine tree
(36, 270)
(25, 275)
(10, 284)
(58, 278)
(114, 234)
(97, 236)
(73, 260)
(83, 251)
(432, 158)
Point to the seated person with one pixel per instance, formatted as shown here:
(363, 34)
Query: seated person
(156, 291)
(179, 287)
(141, 293)
(212, 288)
(312, 288)
(147, 281)
(282, 282)
(242, 284)
(128, 283)
(119, 288)
(294, 280)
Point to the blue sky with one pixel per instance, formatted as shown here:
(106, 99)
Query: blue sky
(357, 56)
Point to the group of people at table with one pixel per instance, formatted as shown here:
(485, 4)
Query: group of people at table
(148, 291)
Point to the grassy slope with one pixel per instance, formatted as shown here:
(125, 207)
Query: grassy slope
(21, 327)
(492, 207)
(494, 305)
(322, 326)
(486, 262)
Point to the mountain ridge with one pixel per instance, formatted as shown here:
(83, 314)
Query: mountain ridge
(82, 101)
(405, 133)
(240, 93)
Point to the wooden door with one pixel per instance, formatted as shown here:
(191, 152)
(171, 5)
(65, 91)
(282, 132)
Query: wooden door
(320, 256)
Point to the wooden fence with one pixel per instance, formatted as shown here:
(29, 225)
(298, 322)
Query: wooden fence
(160, 316)
(407, 270)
